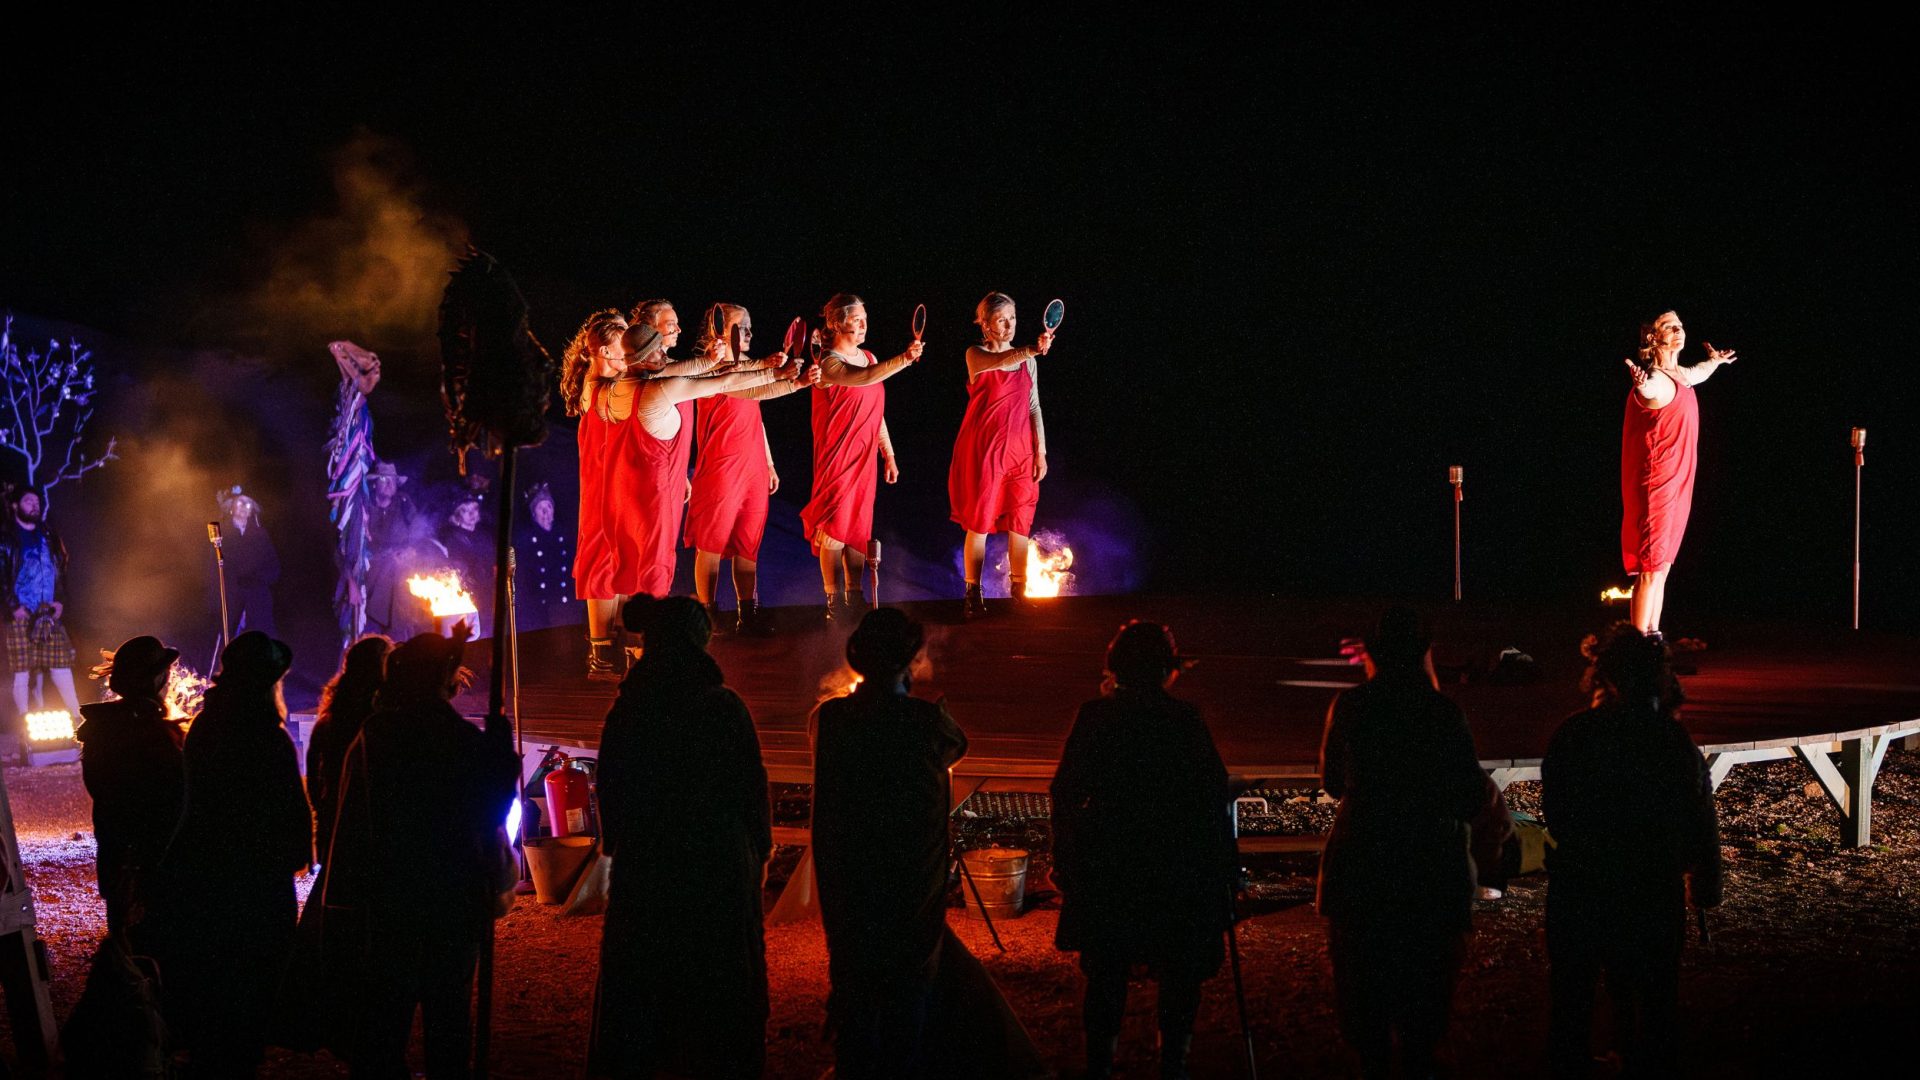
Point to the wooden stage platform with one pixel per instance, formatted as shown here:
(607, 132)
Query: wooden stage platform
(1268, 667)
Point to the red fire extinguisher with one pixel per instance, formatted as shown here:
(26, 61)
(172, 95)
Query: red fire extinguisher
(569, 799)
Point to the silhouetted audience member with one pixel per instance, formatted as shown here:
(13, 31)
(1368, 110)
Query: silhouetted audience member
(881, 852)
(683, 812)
(1396, 880)
(229, 900)
(1627, 798)
(1143, 849)
(130, 761)
(416, 858)
(345, 703)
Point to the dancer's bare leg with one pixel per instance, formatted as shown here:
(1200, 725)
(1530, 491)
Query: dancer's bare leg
(830, 566)
(706, 576)
(1649, 596)
(600, 615)
(1017, 564)
(19, 693)
(856, 570)
(746, 579)
(973, 556)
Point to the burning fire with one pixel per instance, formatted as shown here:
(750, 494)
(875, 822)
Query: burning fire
(185, 688)
(443, 592)
(1615, 593)
(840, 683)
(1048, 567)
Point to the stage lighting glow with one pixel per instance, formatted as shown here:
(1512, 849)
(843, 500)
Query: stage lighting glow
(513, 821)
(443, 593)
(50, 726)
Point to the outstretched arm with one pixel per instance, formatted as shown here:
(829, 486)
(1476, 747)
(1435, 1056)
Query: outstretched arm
(835, 371)
(1652, 386)
(1702, 371)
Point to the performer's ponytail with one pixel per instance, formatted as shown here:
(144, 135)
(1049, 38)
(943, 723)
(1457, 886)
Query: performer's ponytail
(600, 329)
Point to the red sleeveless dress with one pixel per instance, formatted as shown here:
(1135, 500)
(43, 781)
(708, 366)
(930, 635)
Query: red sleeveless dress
(728, 514)
(644, 485)
(1657, 458)
(846, 443)
(990, 483)
(595, 548)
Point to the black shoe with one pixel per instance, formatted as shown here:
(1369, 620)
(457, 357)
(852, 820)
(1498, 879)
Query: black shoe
(856, 602)
(754, 622)
(975, 605)
(602, 661)
(837, 608)
(721, 628)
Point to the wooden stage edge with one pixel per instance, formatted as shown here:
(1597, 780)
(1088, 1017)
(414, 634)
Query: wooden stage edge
(1267, 668)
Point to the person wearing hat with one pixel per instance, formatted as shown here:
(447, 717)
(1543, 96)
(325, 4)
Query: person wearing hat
(683, 812)
(1143, 849)
(228, 898)
(416, 853)
(253, 563)
(33, 567)
(392, 533)
(130, 762)
(543, 579)
(1397, 879)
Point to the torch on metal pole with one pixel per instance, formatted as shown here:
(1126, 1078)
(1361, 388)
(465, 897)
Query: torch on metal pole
(1456, 476)
(1859, 466)
(220, 571)
(513, 651)
(873, 560)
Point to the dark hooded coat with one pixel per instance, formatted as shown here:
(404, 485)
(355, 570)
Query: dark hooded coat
(131, 763)
(683, 810)
(1143, 843)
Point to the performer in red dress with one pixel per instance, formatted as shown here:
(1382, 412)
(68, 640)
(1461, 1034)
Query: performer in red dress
(1001, 454)
(849, 426)
(1657, 457)
(732, 477)
(636, 437)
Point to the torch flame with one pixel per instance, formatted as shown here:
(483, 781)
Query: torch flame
(1615, 592)
(443, 592)
(1048, 569)
(185, 688)
(840, 683)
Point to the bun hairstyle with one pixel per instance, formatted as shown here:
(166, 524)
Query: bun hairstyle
(1635, 669)
(989, 304)
(600, 329)
(834, 313)
(646, 311)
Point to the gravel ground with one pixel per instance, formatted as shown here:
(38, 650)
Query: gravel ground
(1814, 962)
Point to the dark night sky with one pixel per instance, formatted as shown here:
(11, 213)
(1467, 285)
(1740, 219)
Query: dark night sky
(1308, 264)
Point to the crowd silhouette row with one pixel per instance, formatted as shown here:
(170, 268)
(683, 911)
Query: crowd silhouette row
(200, 841)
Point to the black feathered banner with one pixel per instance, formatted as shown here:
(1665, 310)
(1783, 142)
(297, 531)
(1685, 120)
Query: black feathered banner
(497, 376)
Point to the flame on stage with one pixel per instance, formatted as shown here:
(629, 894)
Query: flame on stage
(1615, 593)
(443, 592)
(1049, 567)
(840, 683)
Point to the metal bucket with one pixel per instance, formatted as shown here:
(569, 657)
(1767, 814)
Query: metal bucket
(1000, 876)
(555, 862)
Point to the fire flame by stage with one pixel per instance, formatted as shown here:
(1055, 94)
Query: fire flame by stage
(1048, 568)
(443, 593)
(1616, 594)
(185, 689)
(840, 683)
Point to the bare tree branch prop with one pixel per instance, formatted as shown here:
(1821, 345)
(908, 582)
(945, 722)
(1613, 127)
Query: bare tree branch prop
(49, 404)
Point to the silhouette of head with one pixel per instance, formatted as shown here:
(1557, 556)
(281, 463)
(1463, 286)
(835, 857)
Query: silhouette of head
(362, 670)
(140, 667)
(425, 666)
(1399, 640)
(883, 646)
(668, 624)
(1629, 667)
(253, 661)
(1143, 654)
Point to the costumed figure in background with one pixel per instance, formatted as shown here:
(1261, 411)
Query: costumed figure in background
(33, 564)
(637, 445)
(395, 545)
(1000, 456)
(849, 428)
(470, 552)
(1143, 847)
(543, 551)
(350, 461)
(732, 477)
(683, 798)
(131, 763)
(1657, 458)
(253, 564)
